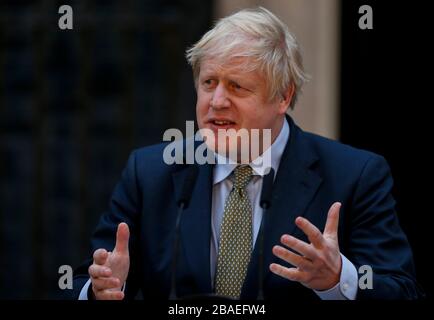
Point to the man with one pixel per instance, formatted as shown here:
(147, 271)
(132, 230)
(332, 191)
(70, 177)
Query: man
(332, 210)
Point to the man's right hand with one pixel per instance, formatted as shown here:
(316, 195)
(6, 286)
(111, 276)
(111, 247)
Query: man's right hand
(109, 270)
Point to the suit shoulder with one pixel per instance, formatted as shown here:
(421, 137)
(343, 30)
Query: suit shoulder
(152, 151)
(149, 160)
(340, 153)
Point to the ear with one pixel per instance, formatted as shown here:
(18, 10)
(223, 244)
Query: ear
(286, 99)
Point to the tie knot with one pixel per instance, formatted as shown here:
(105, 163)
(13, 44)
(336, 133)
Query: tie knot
(243, 174)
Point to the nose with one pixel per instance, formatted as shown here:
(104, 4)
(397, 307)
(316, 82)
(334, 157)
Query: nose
(220, 97)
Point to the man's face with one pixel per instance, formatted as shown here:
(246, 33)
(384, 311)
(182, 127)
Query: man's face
(229, 97)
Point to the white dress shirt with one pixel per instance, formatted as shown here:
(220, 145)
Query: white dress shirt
(222, 185)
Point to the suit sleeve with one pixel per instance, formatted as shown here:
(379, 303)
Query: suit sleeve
(377, 240)
(124, 206)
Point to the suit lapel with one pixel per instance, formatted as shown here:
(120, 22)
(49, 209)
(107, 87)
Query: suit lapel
(294, 187)
(196, 225)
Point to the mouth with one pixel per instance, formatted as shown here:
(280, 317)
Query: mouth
(222, 122)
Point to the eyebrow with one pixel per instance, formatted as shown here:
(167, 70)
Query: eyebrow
(230, 77)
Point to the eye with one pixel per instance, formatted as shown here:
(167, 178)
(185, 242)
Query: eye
(209, 83)
(235, 86)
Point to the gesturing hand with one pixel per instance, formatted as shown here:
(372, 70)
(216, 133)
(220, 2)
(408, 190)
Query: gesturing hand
(318, 264)
(109, 270)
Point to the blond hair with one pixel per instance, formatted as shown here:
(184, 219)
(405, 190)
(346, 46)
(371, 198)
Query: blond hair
(259, 35)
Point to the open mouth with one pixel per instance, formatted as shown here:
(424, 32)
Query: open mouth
(222, 122)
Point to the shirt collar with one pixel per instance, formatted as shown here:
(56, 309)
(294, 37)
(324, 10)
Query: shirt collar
(224, 166)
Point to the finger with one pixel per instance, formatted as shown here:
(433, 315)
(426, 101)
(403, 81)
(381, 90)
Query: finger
(106, 283)
(97, 271)
(109, 295)
(331, 227)
(292, 258)
(122, 237)
(288, 273)
(300, 246)
(100, 256)
(314, 235)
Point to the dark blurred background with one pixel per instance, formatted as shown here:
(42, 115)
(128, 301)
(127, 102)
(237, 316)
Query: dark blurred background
(386, 97)
(74, 104)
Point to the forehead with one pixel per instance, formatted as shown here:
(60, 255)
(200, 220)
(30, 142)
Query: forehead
(235, 66)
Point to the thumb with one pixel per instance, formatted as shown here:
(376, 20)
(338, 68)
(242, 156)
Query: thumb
(122, 237)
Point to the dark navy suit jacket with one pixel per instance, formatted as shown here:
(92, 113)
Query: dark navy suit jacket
(314, 172)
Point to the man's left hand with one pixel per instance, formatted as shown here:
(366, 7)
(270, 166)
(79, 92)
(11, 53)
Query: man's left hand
(318, 264)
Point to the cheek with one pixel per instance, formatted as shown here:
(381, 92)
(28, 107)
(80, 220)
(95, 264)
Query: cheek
(258, 116)
(202, 100)
(252, 112)
(202, 105)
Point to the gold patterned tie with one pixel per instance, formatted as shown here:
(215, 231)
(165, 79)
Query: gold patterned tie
(235, 237)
